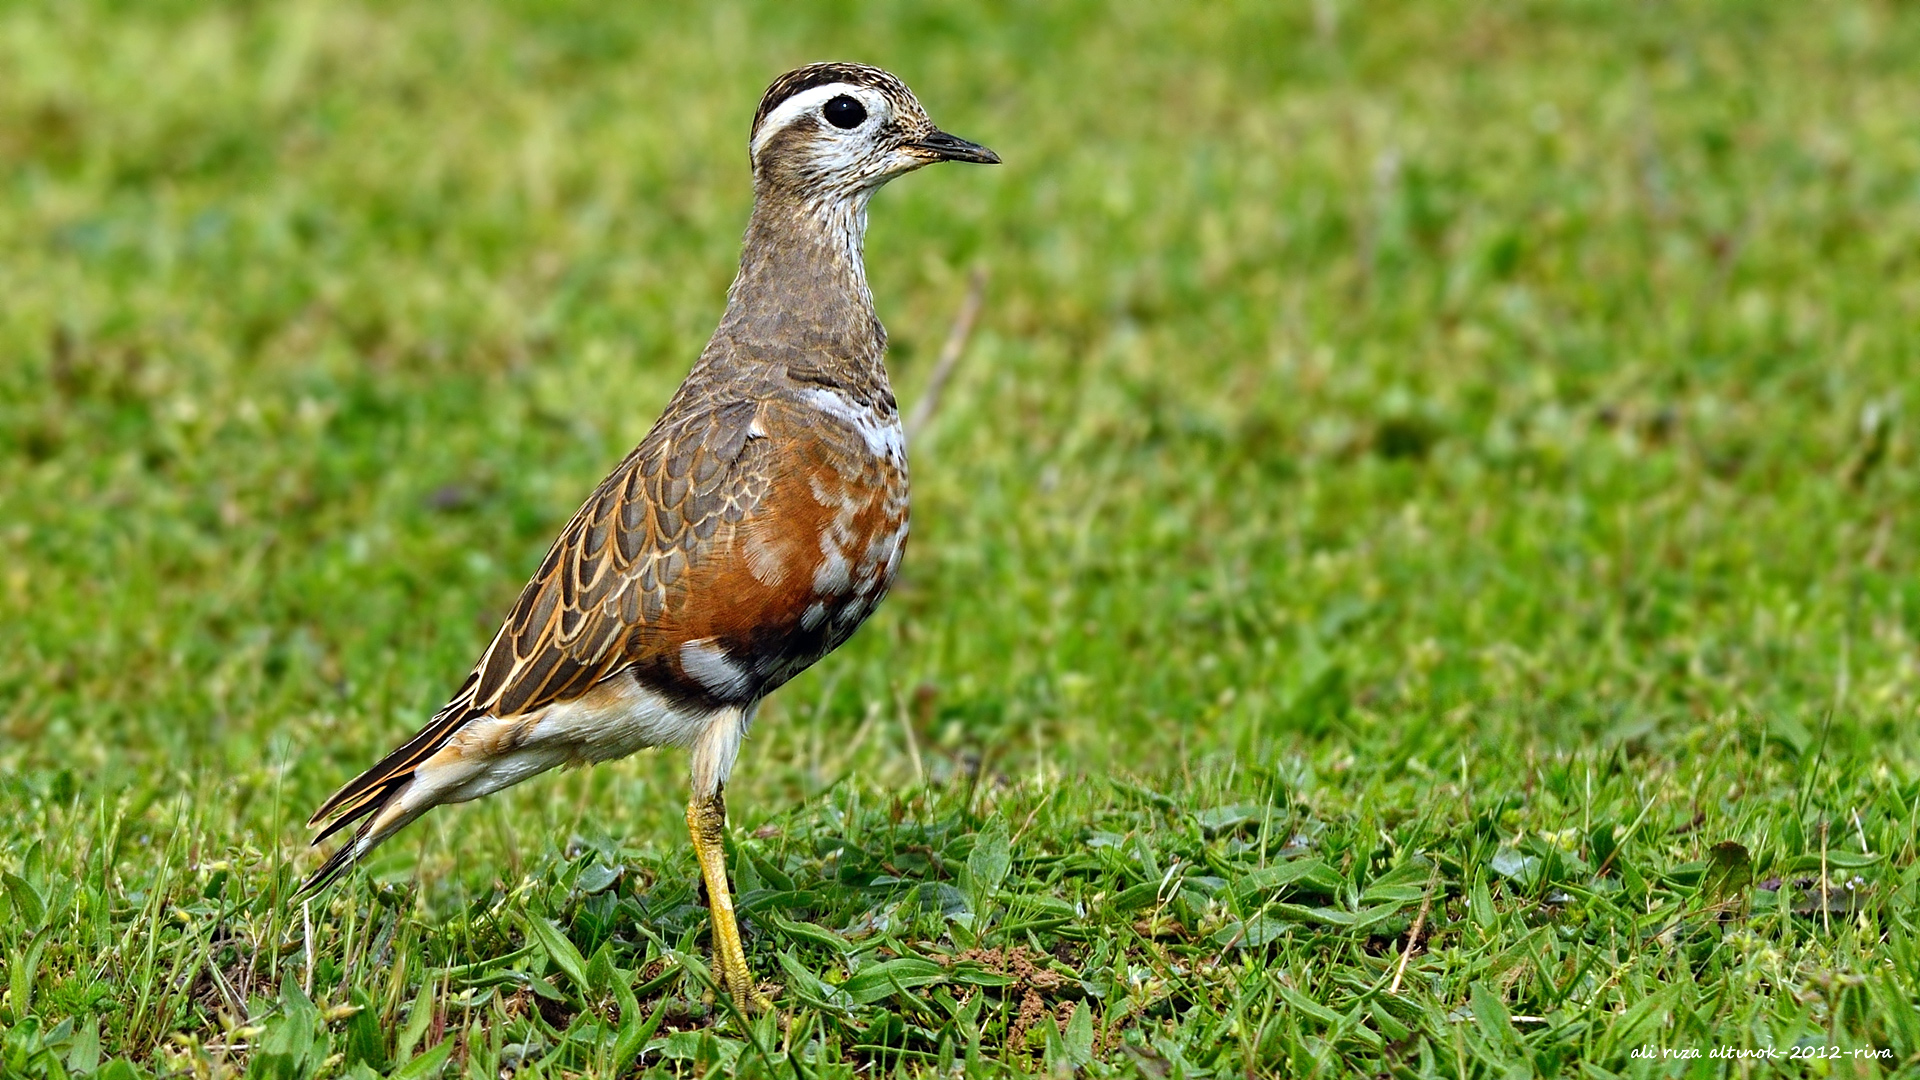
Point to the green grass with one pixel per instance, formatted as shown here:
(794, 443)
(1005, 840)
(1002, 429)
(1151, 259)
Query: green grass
(1429, 463)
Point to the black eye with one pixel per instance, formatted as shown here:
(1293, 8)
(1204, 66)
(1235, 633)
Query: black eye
(845, 113)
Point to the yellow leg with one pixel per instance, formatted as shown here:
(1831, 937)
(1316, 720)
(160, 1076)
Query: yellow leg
(707, 823)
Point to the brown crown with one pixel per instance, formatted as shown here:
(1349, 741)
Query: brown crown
(806, 78)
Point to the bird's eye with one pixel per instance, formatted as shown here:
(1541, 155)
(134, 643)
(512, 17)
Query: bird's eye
(845, 113)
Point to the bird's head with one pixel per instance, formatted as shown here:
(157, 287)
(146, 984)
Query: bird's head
(839, 131)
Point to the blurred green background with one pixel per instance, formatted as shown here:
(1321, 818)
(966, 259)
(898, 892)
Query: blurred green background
(1393, 383)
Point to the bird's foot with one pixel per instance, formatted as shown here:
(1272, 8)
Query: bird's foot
(707, 823)
(753, 1002)
(736, 981)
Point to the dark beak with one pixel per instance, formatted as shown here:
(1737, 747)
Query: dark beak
(945, 147)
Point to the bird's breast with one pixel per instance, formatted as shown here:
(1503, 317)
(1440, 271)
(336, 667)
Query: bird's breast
(814, 558)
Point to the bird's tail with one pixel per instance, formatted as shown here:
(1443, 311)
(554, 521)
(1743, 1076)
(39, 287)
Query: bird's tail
(379, 798)
(384, 811)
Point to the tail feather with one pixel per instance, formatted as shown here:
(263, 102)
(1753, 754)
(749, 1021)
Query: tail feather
(379, 816)
(342, 860)
(458, 756)
(376, 792)
(372, 801)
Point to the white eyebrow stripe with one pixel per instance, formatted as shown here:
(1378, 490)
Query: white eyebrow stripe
(807, 100)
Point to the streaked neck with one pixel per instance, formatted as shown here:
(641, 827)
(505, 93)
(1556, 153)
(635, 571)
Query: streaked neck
(802, 285)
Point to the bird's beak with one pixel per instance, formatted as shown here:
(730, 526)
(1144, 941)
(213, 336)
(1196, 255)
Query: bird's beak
(944, 147)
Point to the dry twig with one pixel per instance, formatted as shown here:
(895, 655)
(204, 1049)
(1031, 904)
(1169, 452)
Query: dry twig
(1413, 933)
(949, 353)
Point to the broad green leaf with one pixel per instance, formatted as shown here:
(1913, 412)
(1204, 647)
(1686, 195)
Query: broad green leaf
(1393, 894)
(417, 1021)
(1305, 875)
(1495, 1021)
(426, 1065)
(1252, 933)
(21, 969)
(83, 1056)
(1480, 905)
(601, 974)
(1326, 916)
(596, 877)
(712, 1054)
(971, 973)
(884, 979)
(1079, 1036)
(988, 863)
(561, 950)
(28, 907)
(1509, 863)
(1219, 819)
(1812, 863)
(364, 1043)
(1389, 1024)
(1134, 898)
(1417, 870)
(634, 1032)
(1307, 1006)
(806, 931)
(809, 988)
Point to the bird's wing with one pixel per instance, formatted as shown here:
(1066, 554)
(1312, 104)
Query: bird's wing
(604, 596)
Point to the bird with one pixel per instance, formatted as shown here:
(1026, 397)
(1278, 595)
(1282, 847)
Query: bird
(754, 528)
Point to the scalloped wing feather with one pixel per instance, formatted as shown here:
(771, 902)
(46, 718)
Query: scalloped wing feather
(607, 580)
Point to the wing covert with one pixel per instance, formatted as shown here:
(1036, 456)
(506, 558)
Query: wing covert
(608, 581)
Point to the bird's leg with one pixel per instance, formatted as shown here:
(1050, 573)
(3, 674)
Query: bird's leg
(707, 823)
